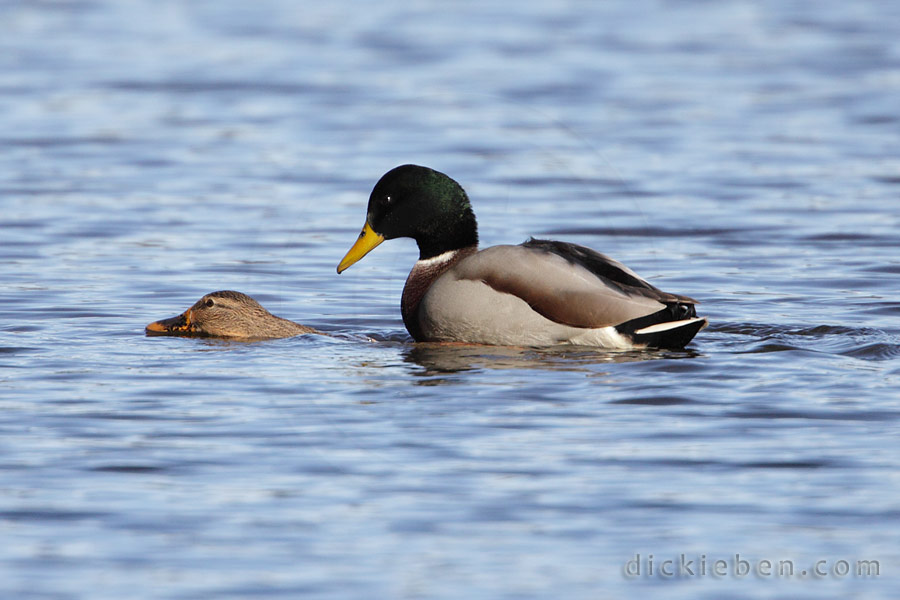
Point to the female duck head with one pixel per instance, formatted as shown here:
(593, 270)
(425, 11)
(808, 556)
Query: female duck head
(227, 314)
(417, 202)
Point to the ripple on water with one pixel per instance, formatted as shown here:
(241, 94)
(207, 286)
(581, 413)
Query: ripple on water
(19, 349)
(657, 401)
(51, 515)
(874, 351)
(858, 342)
(839, 414)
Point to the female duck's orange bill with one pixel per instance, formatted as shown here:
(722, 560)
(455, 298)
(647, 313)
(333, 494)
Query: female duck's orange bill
(365, 243)
(180, 325)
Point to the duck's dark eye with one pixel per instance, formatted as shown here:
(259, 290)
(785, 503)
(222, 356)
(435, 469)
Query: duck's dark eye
(388, 200)
(210, 303)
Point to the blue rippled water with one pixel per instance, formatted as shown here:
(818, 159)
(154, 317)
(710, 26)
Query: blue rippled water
(744, 153)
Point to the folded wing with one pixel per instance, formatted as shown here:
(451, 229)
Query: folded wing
(571, 284)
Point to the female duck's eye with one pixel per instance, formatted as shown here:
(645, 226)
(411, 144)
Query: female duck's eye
(388, 200)
(210, 303)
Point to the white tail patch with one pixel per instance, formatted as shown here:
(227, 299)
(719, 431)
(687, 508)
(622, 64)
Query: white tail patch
(669, 325)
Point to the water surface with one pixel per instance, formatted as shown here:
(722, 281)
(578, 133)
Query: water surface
(746, 154)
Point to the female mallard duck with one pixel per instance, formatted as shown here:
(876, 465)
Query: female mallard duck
(228, 314)
(538, 293)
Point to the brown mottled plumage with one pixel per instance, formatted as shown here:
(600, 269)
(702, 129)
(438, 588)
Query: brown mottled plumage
(228, 314)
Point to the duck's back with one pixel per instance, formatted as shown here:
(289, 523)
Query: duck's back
(540, 293)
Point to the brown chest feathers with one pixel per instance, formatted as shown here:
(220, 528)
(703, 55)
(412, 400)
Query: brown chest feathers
(423, 274)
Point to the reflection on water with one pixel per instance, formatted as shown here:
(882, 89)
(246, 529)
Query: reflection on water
(743, 154)
(437, 358)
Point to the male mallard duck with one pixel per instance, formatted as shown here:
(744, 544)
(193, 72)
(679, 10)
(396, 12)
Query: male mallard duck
(228, 314)
(538, 293)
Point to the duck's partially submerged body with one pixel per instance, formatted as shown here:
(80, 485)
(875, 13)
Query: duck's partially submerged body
(543, 293)
(228, 314)
(538, 293)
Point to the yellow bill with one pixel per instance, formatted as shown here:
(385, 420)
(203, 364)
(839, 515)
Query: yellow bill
(365, 243)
